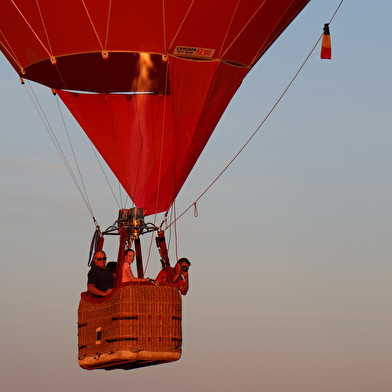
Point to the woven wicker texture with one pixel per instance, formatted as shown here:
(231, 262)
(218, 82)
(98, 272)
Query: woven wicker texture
(137, 323)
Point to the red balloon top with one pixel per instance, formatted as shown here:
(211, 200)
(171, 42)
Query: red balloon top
(147, 80)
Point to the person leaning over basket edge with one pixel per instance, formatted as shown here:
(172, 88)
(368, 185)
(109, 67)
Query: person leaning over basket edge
(180, 275)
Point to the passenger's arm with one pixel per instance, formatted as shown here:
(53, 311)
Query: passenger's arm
(177, 273)
(93, 290)
(185, 287)
(132, 278)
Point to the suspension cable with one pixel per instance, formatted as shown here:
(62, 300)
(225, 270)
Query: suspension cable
(73, 154)
(80, 185)
(194, 204)
(106, 177)
(49, 129)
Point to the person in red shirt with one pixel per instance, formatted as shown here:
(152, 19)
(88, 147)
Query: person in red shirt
(180, 275)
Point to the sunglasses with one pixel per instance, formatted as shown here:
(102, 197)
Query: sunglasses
(100, 258)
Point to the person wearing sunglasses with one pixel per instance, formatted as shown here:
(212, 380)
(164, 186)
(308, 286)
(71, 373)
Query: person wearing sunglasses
(100, 281)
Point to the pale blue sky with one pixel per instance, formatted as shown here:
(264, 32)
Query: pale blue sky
(291, 253)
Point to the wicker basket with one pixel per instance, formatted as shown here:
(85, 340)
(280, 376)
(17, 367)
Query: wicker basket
(135, 326)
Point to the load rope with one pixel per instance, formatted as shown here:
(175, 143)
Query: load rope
(194, 204)
(34, 99)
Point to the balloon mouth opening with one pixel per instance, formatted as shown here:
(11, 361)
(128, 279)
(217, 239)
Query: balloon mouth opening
(120, 72)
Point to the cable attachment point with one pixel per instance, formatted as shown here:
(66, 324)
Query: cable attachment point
(195, 211)
(164, 220)
(97, 225)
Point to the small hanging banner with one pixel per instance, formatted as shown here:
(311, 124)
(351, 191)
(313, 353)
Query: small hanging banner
(326, 43)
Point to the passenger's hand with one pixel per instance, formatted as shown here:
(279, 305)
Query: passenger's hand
(151, 280)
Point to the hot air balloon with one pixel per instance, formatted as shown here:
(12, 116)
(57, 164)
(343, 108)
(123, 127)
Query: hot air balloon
(148, 82)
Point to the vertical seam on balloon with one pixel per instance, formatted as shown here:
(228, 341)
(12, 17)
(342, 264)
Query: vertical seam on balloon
(162, 135)
(44, 26)
(164, 26)
(30, 27)
(166, 50)
(92, 25)
(164, 95)
(108, 23)
(181, 24)
(228, 28)
(116, 146)
(264, 47)
(137, 112)
(11, 53)
(49, 51)
(243, 28)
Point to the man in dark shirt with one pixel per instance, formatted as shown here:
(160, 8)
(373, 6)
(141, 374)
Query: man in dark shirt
(100, 280)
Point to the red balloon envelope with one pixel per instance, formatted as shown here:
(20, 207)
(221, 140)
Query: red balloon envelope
(147, 80)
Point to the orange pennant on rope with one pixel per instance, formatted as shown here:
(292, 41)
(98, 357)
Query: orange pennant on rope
(326, 51)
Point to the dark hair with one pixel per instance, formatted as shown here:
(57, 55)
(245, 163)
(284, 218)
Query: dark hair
(127, 251)
(112, 266)
(184, 260)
